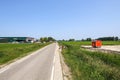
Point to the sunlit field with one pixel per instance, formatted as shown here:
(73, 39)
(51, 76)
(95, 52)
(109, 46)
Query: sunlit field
(87, 65)
(9, 52)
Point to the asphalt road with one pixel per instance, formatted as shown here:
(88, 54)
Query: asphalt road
(37, 66)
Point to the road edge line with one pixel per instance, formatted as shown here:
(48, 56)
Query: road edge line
(53, 68)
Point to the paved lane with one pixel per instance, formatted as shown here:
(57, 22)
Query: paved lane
(37, 66)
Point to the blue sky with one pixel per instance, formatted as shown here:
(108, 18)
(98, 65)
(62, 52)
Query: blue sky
(61, 19)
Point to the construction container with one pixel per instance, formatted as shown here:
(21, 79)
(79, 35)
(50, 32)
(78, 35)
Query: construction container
(96, 43)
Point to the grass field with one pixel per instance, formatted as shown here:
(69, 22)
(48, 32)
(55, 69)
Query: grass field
(9, 52)
(103, 42)
(111, 42)
(86, 65)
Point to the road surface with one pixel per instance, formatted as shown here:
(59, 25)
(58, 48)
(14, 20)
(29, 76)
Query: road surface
(37, 66)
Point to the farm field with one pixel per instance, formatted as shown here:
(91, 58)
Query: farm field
(103, 42)
(111, 42)
(87, 65)
(10, 52)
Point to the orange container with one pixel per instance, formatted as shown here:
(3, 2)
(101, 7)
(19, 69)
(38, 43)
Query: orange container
(96, 43)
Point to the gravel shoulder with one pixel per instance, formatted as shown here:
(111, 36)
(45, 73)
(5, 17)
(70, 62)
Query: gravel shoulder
(57, 75)
(67, 75)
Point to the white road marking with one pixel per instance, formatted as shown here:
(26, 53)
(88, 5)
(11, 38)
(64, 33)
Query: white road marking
(53, 67)
(4, 69)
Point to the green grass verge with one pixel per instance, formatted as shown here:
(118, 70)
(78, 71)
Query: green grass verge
(9, 52)
(86, 65)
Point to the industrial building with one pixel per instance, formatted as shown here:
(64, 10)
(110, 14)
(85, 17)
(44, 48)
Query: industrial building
(16, 40)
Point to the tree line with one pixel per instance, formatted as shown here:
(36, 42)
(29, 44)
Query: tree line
(51, 39)
(109, 38)
(101, 38)
(46, 39)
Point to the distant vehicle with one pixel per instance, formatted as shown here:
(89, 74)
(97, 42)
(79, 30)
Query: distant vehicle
(96, 43)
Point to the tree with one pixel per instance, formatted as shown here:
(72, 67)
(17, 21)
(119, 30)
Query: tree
(50, 39)
(46, 39)
(71, 39)
(108, 38)
(42, 39)
(82, 40)
(88, 39)
(116, 38)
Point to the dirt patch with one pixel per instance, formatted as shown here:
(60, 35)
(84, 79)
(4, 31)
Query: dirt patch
(113, 48)
(105, 49)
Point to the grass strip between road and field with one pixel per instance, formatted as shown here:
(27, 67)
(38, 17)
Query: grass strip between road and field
(9, 52)
(87, 65)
